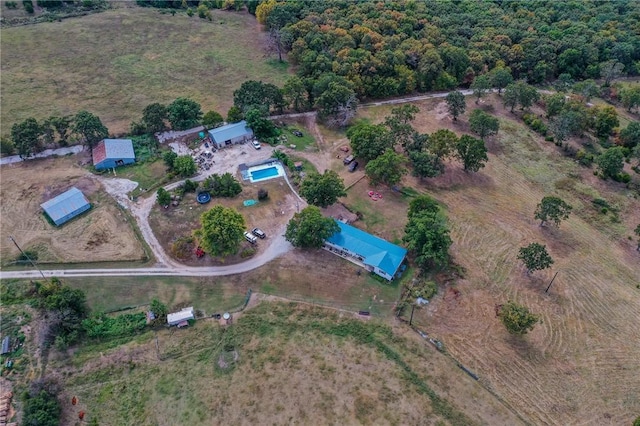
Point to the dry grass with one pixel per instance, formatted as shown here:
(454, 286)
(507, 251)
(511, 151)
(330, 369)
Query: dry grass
(580, 365)
(102, 234)
(116, 62)
(294, 364)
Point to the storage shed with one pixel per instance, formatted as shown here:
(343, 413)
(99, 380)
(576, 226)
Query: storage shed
(231, 134)
(179, 317)
(6, 345)
(111, 153)
(66, 206)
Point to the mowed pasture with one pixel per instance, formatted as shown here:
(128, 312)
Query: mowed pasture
(278, 363)
(117, 62)
(580, 365)
(104, 233)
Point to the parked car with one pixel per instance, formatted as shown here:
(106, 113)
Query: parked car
(297, 133)
(348, 160)
(256, 144)
(250, 237)
(353, 166)
(258, 233)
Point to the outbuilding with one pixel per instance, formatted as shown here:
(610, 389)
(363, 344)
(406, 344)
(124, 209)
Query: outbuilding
(6, 345)
(181, 317)
(231, 134)
(66, 206)
(375, 254)
(111, 153)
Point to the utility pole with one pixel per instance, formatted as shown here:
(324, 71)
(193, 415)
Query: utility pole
(413, 307)
(27, 257)
(554, 277)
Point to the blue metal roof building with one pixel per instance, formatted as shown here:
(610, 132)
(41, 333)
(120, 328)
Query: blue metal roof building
(111, 153)
(376, 254)
(66, 206)
(230, 134)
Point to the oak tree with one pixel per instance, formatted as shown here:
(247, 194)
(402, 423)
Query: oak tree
(456, 104)
(322, 190)
(552, 209)
(221, 231)
(472, 152)
(535, 257)
(483, 124)
(387, 169)
(309, 228)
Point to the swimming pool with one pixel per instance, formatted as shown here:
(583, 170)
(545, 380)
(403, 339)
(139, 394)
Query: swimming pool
(265, 172)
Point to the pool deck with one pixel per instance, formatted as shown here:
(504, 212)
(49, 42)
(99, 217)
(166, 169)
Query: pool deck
(245, 170)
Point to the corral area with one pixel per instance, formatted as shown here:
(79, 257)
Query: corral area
(77, 68)
(102, 234)
(277, 362)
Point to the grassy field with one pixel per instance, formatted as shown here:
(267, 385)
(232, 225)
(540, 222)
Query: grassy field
(579, 365)
(277, 364)
(116, 62)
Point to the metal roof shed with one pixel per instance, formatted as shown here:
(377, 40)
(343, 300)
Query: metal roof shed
(230, 134)
(111, 153)
(66, 206)
(180, 316)
(6, 345)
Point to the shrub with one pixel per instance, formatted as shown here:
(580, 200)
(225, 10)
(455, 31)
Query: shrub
(11, 4)
(28, 6)
(584, 158)
(190, 186)
(549, 138)
(263, 194)
(190, 12)
(623, 177)
(247, 252)
(535, 124)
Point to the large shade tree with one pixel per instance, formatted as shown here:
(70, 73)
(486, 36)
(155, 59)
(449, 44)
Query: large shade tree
(89, 127)
(456, 104)
(26, 137)
(221, 232)
(369, 141)
(427, 233)
(309, 228)
(483, 124)
(472, 152)
(387, 169)
(322, 190)
(184, 113)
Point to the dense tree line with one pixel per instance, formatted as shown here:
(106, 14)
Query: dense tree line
(386, 49)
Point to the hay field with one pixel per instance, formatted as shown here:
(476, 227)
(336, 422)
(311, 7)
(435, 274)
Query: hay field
(581, 364)
(279, 363)
(117, 62)
(101, 234)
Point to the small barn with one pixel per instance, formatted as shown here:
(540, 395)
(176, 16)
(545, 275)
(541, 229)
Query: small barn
(180, 318)
(230, 134)
(66, 206)
(375, 254)
(111, 153)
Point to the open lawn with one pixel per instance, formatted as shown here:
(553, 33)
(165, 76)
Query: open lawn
(580, 364)
(104, 233)
(117, 62)
(278, 363)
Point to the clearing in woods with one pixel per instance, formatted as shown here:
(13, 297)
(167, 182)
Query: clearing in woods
(580, 365)
(277, 362)
(117, 62)
(103, 233)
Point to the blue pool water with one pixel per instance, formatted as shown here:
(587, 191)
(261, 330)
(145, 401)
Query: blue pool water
(264, 173)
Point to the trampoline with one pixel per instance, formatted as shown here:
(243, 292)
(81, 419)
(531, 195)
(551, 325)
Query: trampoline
(204, 197)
